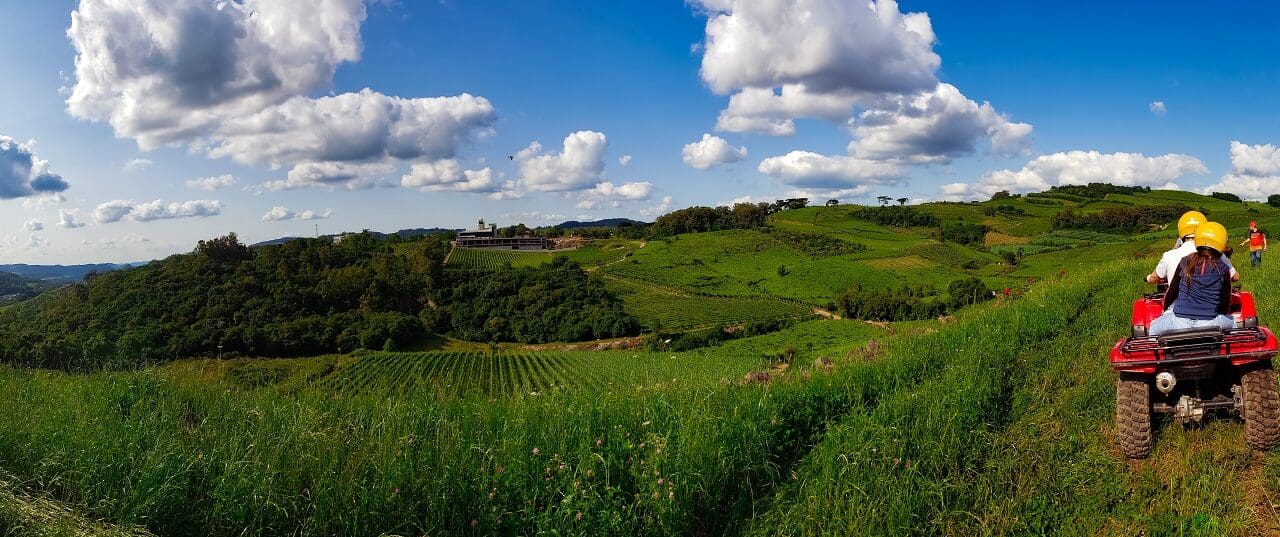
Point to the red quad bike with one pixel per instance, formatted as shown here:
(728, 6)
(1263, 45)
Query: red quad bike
(1194, 372)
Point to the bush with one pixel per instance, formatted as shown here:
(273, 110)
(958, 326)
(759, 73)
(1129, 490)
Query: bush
(1097, 190)
(968, 291)
(899, 216)
(1274, 200)
(1226, 196)
(1119, 219)
(963, 233)
(903, 304)
(1003, 210)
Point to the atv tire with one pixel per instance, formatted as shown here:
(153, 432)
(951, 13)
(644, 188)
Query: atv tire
(1261, 407)
(1133, 416)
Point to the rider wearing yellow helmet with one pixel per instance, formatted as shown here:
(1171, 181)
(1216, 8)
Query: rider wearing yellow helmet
(1187, 225)
(1199, 292)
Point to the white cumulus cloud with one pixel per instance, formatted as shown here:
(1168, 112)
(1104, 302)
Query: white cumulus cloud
(805, 169)
(612, 195)
(23, 174)
(69, 219)
(1255, 172)
(280, 213)
(117, 210)
(579, 165)
(237, 80)
(1158, 108)
(1082, 167)
(33, 225)
(935, 126)
(624, 160)
(711, 151)
(218, 182)
(137, 165)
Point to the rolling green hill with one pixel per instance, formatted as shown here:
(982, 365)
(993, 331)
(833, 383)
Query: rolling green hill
(996, 420)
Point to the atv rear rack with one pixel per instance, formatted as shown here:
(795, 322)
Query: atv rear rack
(1194, 346)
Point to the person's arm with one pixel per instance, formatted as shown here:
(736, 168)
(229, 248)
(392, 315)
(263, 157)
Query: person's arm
(1264, 242)
(1224, 298)
(1171, 294)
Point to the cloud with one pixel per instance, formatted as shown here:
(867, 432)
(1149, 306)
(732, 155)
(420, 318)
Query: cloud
(822, 59)
(711, 151)
(117, 210)
(658, 210)
(1082, 167)
(624, 160)
(810, 170)
(1157, 108)
(33, 225)
(823, 45)
(1255, 172)
(281, 213)
(69, 219)
(613, 195)
(212, 183)
(137, 165)
(448, 176)
(23, 174)
(579, 165)
(237, 80)
(332, 175)
(42, 201)
(535, 216)
(935, 126)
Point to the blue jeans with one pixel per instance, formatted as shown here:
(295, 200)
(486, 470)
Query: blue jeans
(1255, 258)
(1168, 321)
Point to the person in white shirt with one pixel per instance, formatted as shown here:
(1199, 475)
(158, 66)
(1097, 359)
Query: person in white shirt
(1185, 246)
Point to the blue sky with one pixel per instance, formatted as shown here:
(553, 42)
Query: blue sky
(640, 79)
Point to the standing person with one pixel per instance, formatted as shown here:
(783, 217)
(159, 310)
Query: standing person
(1257, 241)
(1184, 247)
(1200, 290)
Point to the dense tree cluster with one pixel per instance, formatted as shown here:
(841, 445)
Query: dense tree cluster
(1226, 196)
(968, 291)
(14, 288)
(895, 216)
(1119, 219)
(553, 302)
(903, 304)
(963, 233)
(1274, 200)
(816, 244)
(1098, 190)
(1003, 210)
(703, 219)
(303, 297)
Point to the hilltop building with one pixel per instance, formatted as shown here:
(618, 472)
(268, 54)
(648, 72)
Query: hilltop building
(487, 237)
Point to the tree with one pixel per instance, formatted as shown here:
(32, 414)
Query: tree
(1273, 200)
(903, 201)
(1226, 196)
(1003, 194)
(884, 200)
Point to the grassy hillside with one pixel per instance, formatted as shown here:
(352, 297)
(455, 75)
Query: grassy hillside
(996, 422)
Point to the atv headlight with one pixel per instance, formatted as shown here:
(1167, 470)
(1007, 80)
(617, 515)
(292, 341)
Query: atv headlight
(1139, 330)
(1250, 322)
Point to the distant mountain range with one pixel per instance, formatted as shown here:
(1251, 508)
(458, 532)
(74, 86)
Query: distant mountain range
(415, 232)
(608, 222)
(62, 273)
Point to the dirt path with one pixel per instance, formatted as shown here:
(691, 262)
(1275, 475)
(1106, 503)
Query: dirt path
(23, 513)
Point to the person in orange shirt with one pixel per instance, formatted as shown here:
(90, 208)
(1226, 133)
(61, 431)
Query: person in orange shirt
(1257, 242)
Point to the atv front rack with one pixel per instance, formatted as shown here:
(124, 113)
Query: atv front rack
(1195, 345)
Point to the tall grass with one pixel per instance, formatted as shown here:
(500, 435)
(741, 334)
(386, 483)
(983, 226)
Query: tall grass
(186, 457)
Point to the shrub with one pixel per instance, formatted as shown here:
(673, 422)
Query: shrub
(1274, 200)
(968, 291)
(1226, 196)
(963, 233)
(898, 216)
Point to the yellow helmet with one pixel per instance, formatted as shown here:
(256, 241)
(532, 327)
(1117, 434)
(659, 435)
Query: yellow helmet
(1211, 235)
(1189, 222)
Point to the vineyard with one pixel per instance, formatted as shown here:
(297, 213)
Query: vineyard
(463, 372)
(480, 259)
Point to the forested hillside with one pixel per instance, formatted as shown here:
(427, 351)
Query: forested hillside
(301, 298)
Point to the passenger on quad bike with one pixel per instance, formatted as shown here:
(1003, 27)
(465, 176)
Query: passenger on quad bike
(1199, 292)
(1192, 373)
(1184, 247)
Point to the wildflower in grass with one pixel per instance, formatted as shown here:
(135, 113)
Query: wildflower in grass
(536, 451)
(671, 495)
(661, 481)
(396, 491)
(897, 461)
(475, 523)
(599, 442)
(501, 469)
(578, 516)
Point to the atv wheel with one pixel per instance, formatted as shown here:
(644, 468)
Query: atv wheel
(1133, 416)
(1261, 407)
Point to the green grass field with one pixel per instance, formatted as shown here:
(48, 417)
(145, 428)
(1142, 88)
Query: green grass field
(996, 422)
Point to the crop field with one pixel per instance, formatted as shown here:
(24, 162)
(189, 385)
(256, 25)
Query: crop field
(656, 306)
(483, 259)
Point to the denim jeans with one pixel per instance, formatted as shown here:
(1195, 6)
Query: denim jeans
(1255, 258)
(1168, 321)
